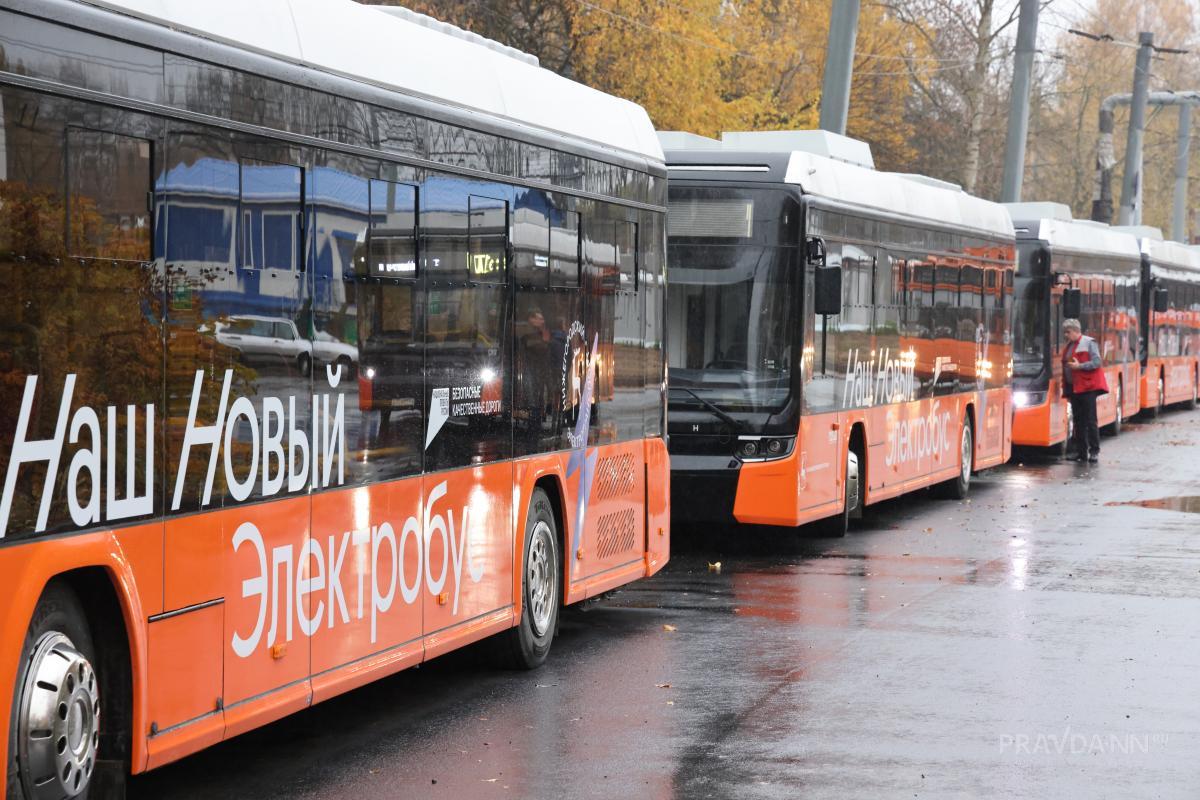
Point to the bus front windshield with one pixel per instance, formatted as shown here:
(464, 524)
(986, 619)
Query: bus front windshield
(1031, 311)
(730, 318)
(1030, 326)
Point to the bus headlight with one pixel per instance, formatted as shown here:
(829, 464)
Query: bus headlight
(1027, 399)
(763, 448)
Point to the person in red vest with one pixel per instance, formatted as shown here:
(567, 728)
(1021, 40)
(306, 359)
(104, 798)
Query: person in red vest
(1083, 382)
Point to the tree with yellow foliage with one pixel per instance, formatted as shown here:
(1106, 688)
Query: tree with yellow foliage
(1065, 106)
(706, 66)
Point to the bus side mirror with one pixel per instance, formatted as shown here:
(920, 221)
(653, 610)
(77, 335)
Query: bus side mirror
(1161, 301)
(827, 291)
(1072, 303)
(815, 251)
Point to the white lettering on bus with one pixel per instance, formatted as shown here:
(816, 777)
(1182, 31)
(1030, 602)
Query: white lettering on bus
(96, 493)
(886, 379)
(101, 449)
(287, 585)
(912, 439)
(311, 456)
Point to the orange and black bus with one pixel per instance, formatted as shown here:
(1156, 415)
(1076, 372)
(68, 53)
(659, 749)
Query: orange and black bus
(836, 335)
(317, 361)
(1170, 323)
(1072, 269)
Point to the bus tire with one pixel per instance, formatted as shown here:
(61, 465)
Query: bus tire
(1114, 427)
(55, 726)
(1156, 410)
(957, 487)
(1195, 401)
(1063, 448)
(527, 645)
(835, 527)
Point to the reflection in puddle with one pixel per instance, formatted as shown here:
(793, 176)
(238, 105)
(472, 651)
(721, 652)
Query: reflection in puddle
(1187, 503)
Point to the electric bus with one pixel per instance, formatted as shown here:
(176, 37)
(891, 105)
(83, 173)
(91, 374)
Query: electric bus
(329, 342)
(1170, 323)
(1072, 269)
(836, 335)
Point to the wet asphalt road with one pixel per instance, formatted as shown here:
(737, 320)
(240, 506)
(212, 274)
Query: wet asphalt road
(1033, 642)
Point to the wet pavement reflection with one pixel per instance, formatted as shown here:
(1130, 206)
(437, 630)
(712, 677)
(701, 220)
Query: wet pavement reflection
(1037, 640)
(1189, 504)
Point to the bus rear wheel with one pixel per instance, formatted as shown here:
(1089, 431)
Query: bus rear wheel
(836, 526)
(528, 644)
(957, 487)
(54, 732)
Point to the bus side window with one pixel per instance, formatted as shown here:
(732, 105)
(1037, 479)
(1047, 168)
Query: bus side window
(627, 333)
(382, 337)
(601, 280)
(109, 177)
(468, 343)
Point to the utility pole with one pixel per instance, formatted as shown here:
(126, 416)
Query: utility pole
(1183, 145)
(1018, 103)
(839, 65)
(1130, 211)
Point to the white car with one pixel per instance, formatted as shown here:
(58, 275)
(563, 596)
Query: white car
(265, 340)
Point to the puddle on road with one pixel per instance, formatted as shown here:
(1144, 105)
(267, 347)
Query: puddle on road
(1187, 503)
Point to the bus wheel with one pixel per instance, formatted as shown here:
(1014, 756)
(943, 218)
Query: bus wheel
(55, 727)
(1114, 427)
(1063, 448)
(957, 487)
(1195, 401)
(1156, 409)
(527, 645)
(836, 526)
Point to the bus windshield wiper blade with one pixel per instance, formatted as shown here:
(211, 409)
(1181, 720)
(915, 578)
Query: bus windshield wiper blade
(715, 409)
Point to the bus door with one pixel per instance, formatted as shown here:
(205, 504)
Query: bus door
(467, 519)
(611, 480)
(821, 459)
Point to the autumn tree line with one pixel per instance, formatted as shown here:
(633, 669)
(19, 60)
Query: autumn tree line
(931, 77)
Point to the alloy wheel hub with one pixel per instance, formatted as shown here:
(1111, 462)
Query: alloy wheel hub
(59, 721)
(541, 579)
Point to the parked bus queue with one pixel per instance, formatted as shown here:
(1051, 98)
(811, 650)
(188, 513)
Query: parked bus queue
(314, 368)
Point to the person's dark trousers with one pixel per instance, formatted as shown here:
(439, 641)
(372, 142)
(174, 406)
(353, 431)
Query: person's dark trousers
(1087, 433)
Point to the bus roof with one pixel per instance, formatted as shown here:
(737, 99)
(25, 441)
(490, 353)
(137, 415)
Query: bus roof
(344, 38)
(914, 197)
(1076, 235)
(1172, 254)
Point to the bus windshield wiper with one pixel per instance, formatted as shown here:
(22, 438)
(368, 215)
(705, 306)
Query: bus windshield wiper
(713, 407)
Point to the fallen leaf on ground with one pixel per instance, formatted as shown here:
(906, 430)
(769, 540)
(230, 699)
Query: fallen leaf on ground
(662, 686)
(669, 628)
